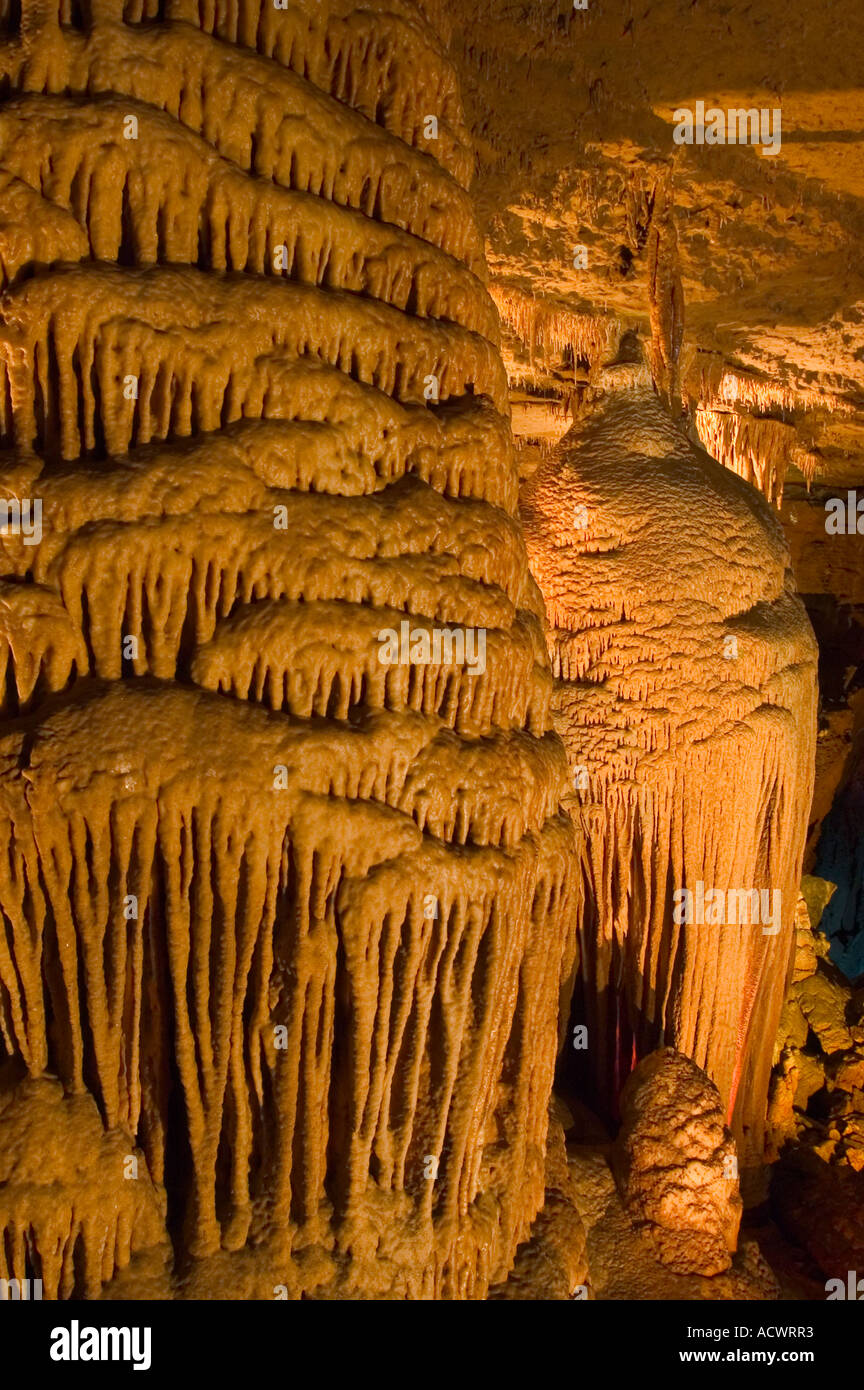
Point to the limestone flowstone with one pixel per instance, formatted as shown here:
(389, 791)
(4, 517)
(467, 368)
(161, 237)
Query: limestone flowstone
(294, 919)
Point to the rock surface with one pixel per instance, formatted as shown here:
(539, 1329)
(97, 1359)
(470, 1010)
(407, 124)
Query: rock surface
(816, 1111)
(77, 1203)
(676, 1165)
(552, 1264)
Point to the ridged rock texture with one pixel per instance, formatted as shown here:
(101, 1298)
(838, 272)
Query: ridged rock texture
(89, 1200)
(296, 920)
(686, 696)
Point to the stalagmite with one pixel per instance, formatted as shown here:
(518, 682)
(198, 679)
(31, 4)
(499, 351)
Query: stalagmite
(676, 1164)
(686, 697)
(285, 915)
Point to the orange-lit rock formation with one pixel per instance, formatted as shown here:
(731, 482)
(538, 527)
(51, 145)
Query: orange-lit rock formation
(677, 1166)
(77, 1204)
(295, 919)
(686, 697)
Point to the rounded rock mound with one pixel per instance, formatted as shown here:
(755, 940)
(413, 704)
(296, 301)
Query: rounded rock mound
(676, 1165)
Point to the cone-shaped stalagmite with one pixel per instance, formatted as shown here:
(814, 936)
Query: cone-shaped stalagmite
(686, 698)
(291, 909)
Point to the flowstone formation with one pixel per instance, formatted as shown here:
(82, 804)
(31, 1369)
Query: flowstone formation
(294, 918)
(686, 697)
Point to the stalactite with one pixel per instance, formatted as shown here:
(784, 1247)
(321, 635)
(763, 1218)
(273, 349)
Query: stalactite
(259, 115)
(665, 291)
(165, 581)
(756, 449)
(546, 327)
(710, 381)
(208, 798)
(389, 64)
(150, 191)
(76, 1204)
(304, 657)
(41, 649)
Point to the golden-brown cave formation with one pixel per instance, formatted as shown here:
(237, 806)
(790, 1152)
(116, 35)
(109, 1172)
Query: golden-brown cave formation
(686, 697)
(407, 716)
(77, 1203)
(676, 1164)
(295, 918)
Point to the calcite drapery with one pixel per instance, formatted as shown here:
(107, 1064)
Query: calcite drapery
(686, 697)
(306, 956)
